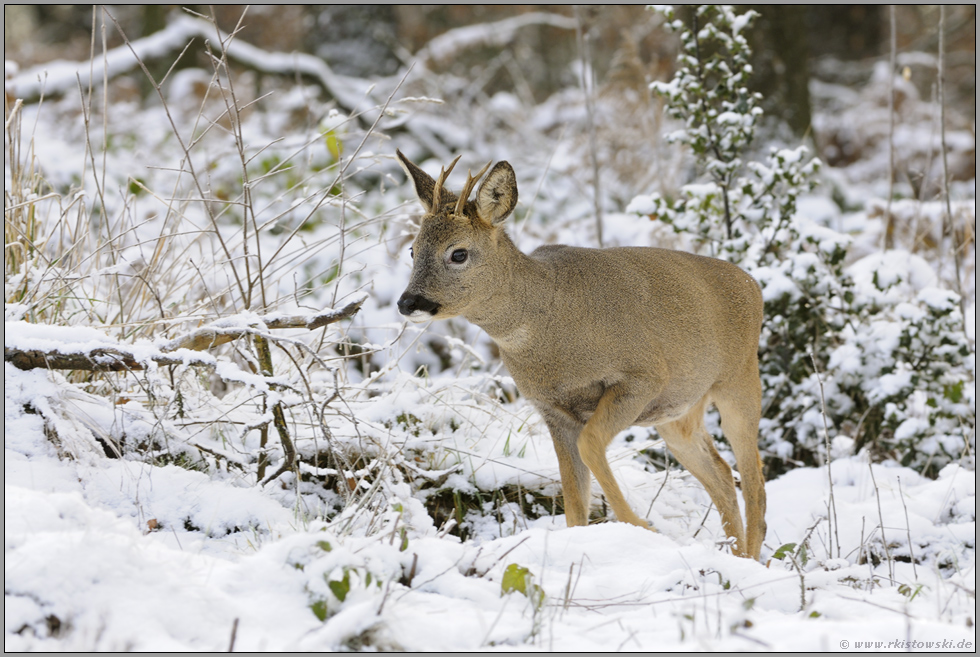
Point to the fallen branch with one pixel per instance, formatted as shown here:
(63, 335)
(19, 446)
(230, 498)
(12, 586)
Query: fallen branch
(61, 77)
(100, 359)
(119, 358)
(212, 336)
(452, 43)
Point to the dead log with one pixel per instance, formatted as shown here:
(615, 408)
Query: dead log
(61, 77)
(120, 359)
(102, 359)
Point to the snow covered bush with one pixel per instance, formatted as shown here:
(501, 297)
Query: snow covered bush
(885, 359)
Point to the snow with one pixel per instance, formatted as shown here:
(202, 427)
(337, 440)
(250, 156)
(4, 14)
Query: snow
(133, 518)
(78, 548)
(893, 275)
(740, 22)
(642, 204)
(142, 557)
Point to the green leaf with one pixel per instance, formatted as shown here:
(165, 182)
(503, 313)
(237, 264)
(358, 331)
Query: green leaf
(909, 592)
(319, 609)
(324, 545)
(404, 543)
(954, 393)
(340, 588)
(515, 579)
(136, 186)
(784, 550)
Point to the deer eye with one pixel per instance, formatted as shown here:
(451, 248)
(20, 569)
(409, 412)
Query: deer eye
(411, 253)
(459, 255)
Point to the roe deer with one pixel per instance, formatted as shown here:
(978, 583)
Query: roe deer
(602, 339)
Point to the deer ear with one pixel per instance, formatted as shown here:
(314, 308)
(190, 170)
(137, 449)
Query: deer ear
(497, 196)
(424, 184)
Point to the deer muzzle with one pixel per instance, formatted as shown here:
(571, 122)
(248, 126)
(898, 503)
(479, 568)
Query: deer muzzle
(416, 307)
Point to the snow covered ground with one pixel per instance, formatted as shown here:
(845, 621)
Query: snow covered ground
(84, 570)
(133, 514)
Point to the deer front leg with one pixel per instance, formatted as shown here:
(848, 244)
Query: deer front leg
(617, 409)
(575, 479)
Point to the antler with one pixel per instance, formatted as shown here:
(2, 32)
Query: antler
(440, 181)
(468, 187)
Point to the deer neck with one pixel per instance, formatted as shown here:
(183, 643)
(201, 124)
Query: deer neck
(507, 311)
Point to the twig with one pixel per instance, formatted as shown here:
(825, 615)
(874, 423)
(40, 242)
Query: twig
(889, 236)
(501, 556)
(908, 530)
(662, 484)
(881, 525)
(234, 633)
(233, 112)
(704, 519)
(188, 160)
(833, 525)
(588, 84)
(942, 136)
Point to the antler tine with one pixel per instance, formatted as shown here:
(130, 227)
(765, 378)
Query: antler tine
(464, 195)
(440, 181)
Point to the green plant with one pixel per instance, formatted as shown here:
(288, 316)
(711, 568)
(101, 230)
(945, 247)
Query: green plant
(797, 556)
(341, 582)
(520, 579)
(909, 398)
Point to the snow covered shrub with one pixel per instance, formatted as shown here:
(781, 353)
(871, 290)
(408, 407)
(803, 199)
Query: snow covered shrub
(886, 362)
(904, 362)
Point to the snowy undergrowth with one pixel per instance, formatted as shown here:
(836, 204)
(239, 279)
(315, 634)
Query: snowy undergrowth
(134, 516)
(85, 568)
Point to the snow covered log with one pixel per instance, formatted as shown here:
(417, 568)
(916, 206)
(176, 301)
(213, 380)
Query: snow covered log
(452, 43)
(213, 335)
(61, 77)
(101, 356)
(99, 359)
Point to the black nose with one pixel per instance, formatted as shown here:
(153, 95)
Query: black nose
(409, 303)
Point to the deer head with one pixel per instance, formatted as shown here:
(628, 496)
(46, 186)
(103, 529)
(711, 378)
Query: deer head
(456, 252)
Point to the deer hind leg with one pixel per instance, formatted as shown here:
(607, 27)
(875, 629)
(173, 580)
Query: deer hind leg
(617, 409)
(576, 482)
(740, 405)
(690, 443)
